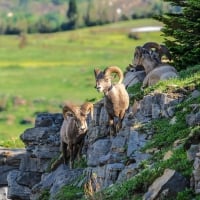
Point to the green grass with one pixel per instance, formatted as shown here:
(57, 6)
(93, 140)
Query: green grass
(53, 68)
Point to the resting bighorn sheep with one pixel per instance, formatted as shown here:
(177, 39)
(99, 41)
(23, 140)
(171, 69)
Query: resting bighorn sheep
(73, 130)
(155, 71)
(160, 50)
(116, 99)
(156, 50)
(163, 72)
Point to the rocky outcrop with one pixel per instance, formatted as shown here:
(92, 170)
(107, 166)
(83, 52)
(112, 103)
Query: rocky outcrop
(55, 180)
(116, 159)
(132, 77)
(9, 160)
(42, 144)
(109, 159)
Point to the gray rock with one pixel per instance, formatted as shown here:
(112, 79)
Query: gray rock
(42, 145)
(111, 173)
(55, 180)
(192, 151)
(96, 150)
(133, 77)
(193, 119)
(195, 94)
(16, 191)
(166, 186)
(128, 172)
(9, 160)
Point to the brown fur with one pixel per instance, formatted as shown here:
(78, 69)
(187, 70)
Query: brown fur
(73, 130)
(116, 98)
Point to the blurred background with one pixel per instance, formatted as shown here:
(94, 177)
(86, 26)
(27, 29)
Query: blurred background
(49, 49)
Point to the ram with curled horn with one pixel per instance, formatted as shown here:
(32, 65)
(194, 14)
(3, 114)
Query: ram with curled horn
(159, 51)
(73, 130)
(116, 98)
(155, 71)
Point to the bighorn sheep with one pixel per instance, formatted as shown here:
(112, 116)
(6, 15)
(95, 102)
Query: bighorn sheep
(116, 99)
(163, 72)
(155, 50)
(155, 71)
(73, 130)
(160, 50)
(142, 57)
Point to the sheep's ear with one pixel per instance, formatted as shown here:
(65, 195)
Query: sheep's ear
(96, 72)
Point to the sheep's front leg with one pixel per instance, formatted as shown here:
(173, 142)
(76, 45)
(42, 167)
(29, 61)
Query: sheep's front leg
(79, 150)
(64, 151)
(71, 156)
(73, 151)
(120, 120)
(111, 127)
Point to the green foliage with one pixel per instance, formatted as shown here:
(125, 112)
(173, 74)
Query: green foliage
(49, 23)
(45, 194)
(69, 192)
(72, 14)
(82, 163)
(131, 189)
(182, 32)
(135, 91)
(31, 17)
(178, 162)
(187, 194)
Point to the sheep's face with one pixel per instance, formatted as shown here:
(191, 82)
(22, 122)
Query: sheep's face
(103, 83)
(82, 124)
(139, 56)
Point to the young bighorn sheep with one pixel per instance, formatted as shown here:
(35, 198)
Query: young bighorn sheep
(155, 70)
(116, 99)
(159, 51)
(73, 130)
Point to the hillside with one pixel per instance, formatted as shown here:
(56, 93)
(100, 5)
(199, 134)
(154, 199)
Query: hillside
(155, 155)
(41, 7)
(51, 15)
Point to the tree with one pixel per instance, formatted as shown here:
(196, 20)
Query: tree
(181, 31)
(72, 14)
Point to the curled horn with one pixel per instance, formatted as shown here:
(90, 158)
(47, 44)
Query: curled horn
(150, 45)
(161, 49)
(140, 50)
(114, 69)
(70, 108)
(87, 108)
(166, 51)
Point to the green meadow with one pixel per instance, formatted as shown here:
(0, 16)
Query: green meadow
(53, 68)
